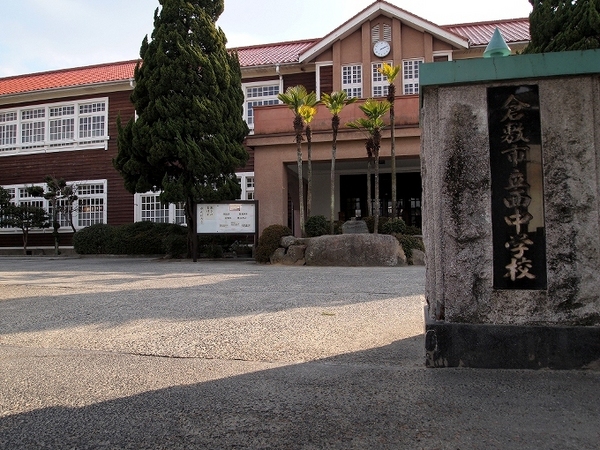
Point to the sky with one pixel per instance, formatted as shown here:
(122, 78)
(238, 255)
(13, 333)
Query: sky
(41, 35)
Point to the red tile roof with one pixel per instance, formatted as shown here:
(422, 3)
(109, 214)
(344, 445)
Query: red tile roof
(268, 54)
(513, 30)
(80, 76)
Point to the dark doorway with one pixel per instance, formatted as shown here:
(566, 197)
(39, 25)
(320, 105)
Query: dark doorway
(353, 195)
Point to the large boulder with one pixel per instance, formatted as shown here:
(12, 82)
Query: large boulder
(354, 250)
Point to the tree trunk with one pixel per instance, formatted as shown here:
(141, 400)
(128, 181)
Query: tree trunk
(25, 235)
(391, 99)
(190, 218)
(332, 176)
(369, 202)
(300, 188)
(376, 206)
(56, 226)
(309, 158)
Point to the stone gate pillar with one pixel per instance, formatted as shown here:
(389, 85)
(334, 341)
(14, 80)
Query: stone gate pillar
(511, 210)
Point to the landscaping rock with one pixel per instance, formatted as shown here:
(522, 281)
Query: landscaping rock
(287, 241)
(354, 250)
(293, 255)
(355, 227)
(418, 257)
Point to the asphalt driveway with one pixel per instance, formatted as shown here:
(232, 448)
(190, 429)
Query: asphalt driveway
(140, 353)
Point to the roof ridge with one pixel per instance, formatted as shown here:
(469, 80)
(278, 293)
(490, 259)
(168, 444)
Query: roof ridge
(70, 69)
(486, 22)
(274, 44)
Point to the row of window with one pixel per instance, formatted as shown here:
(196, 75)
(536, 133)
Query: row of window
(90, 206)
(88, 209)
(352, 84)
(352, 79)
(58, 126)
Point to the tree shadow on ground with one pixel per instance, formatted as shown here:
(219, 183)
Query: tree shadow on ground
(381, 398)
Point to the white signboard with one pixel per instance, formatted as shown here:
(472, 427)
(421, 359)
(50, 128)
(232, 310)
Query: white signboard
(226, 218)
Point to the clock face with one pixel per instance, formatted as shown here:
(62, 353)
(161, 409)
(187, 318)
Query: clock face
(381, 48)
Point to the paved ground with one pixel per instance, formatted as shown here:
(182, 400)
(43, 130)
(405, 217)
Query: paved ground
(136, 353)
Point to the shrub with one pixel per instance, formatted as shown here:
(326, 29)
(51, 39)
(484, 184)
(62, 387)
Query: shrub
(394, 226)
(144, 238)
(241, 248)
(413, 230)
(371, 223)
(175, 245)
(214, 251)
(269, 242)
(317, 226)
(140, 238)
(409, 243)
(94, 240)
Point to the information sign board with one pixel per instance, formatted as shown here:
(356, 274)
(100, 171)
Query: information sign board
(233, 218)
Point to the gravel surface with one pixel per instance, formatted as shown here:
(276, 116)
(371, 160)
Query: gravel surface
(140, 353)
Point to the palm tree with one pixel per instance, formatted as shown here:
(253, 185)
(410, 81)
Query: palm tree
(294, 97)
(335, 102)
(373, 124)
(391, 72)
(308, 112)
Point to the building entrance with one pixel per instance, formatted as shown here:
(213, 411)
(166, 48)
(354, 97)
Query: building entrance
(354, 203)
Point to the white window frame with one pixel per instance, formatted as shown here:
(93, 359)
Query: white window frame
(447, 53)
(379, 83)
(54, 127)
(254, 97)
(410, 76)
(91, 195)
(148, 208)
(247, 183)
(318, 66)
(352, 80)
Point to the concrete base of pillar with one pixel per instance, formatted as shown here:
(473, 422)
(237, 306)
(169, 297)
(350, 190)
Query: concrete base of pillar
(511, 346)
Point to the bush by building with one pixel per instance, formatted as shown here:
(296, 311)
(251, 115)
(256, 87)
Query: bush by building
(269, 242)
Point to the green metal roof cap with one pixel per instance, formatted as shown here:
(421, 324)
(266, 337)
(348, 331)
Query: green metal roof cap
(514, 67)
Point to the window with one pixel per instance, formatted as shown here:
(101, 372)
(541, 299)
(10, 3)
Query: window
(88, 209)
(153, 210)
(379, 82)
(247, 183)
(442, 55)
(410, 76)
(54, 127)
(352, 80)
(149, 208)
(259, 95)
(8, 131)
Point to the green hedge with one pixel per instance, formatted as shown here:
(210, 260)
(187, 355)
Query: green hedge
(140, 238)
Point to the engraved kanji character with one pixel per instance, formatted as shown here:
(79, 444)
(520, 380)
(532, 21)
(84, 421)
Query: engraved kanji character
(513, 132)
(513, 107)
(518, 269)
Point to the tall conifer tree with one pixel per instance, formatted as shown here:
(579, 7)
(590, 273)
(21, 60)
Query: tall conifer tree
(561, 25)
(187, 138)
